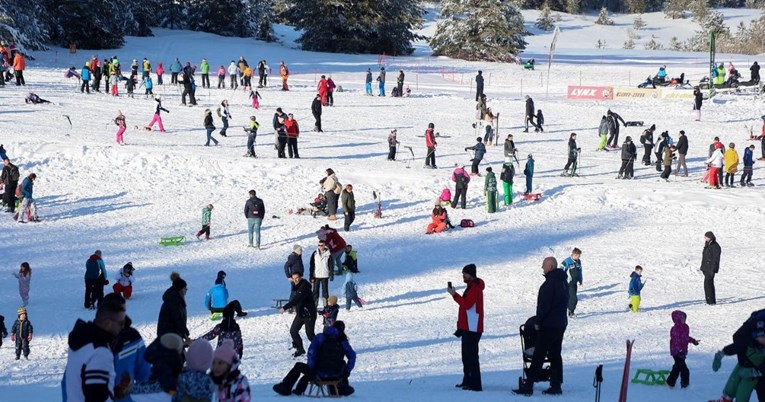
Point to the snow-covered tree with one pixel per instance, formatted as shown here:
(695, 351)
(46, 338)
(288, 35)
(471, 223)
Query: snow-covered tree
(675, 8)
(479, 30)
(545, 22)
(676, 44)
(638, 23)
(381, 26)
(629, 44)
(27, 24)
(603, 17)
(653, 44)
(86, 26)
(700, 10)
(573, 6)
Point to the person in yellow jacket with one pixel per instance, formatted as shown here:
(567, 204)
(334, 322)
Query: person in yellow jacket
(730, 160)
(720, 77)
(247, 75)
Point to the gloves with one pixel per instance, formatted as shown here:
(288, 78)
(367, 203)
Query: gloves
(717, 362)
(749, 372)
(695, 342)
(13, 337)
(29, 338)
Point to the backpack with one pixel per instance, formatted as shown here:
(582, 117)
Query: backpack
(338, 189)
(330, 359)
(642, 138)
(467, 223)
(462, 180)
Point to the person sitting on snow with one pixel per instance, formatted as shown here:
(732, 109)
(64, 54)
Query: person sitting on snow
(319, 205)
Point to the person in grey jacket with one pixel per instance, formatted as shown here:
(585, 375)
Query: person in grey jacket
(480, 151)
(510, 150)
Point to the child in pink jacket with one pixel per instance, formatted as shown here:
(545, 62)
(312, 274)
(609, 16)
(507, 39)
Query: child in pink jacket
(679, 338)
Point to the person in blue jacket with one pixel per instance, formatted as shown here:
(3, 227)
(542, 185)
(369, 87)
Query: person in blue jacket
(636, 285)
(85, 76)
(217, 299)
(573, 265)
(95, 279)
(3, 154)
(175, 69)
(661, 76)
(28, 202)
(528, 171)
(326, 361)
(746, 178)
(129, 349)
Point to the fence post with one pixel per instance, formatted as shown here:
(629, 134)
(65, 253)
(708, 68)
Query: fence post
(489, 79)
(521, 87)
(541, 82)
(629, 78)
(580, 78)
(417, 81)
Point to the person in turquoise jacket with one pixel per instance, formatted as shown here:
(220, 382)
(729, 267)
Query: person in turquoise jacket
(528, 171)
(573, 265)
(85, 76)
(217, 297)
(636, 285)
(175, 69)
(206, 220)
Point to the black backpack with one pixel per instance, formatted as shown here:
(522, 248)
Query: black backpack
(331, 358)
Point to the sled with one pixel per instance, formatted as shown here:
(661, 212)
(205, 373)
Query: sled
(633, 124)
(532, 196)
(650, 377)
(172, 241)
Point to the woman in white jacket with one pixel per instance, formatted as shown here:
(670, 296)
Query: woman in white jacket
(715, 165)
(124, 284)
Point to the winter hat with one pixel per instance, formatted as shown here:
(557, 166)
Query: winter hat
(200, 355)
(478, 139)
(527, 97)
(718, 145)
(653, 127)
(297, 249)
(332, 299)
(171, 341)
(759, 325)
(628, 139)
(470, 269)
(489, 169)
(178, 282)
(279, 109)
(226, 352)
(530, 157)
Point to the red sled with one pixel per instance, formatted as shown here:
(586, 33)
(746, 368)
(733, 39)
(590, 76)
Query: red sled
(533, 196)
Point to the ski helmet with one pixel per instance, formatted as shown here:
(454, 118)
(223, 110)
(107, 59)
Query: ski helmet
(431, 125)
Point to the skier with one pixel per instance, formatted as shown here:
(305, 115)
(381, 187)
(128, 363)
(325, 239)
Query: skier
(573, 154)
(730, 159)
(490, 191)
(682, 150)
(233, 70)
(322, 89)
(157, 117)
(613, 128)
(746, 177)
(461, 180)
(146, 68)
(381, 81)
(124, 284)
(252, 135)
(261, 73)
(697, 101)
(392, 144)
(530, 114)
(247, 75)
(120, 122)
(368, 82)
(316, 109)
(510, 150)
(221, 77)
(206, 221)
(225, 116)
(293, 132)
(478, 85)
(255, 95)
(208, 123)
(85, 77)
(430, 143)
(285, 73)
(669, 156)
(679, 338)
(480, 151)
(647, 140)
(508, 171)
(715, 163)
(573, 266)
(528, 171)
(204, 68)
(636, 285)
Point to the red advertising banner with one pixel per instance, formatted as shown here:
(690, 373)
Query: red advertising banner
(590, 93)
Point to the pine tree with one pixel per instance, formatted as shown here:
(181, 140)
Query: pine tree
(137, 18)
(479, 30)
(674, 9)
(638, 23)
(573, 6)
(603, 17)
(635, 6)
(382, 26)
(86, 26)
(700, 10)
(629, 44)
(675, 44)
(27, 25)
(545, 22)
(259, 19)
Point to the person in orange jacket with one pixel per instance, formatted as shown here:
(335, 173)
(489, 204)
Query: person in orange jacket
(285, 72)
(438, 224)
(19, 64)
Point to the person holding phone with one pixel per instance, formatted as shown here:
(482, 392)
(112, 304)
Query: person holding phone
(469, 326)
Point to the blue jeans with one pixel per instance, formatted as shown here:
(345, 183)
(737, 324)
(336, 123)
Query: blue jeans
(337, 259)
(382, 88)
(369, 88)
(251, 143)
(351, 295)
(253, 226)
(209, 137)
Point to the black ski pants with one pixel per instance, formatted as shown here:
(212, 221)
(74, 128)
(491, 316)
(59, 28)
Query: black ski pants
(474, 165)
(392, 153)
(10, 196)
(20, 77)
(613, 140)
(460, 192)
(430, 158)
(709, 288)
(173, 78)
(94, 292)
(317, 123)
(300, 321)
(292, 147)
(549, 344)
(746, 177)
(350, 216)
(667, 171)
(322, 283)
(679, 369)
(204, 231)
(205, 80)
(85, 86)
(647, 155)
(471, 367)
(282, 144)
(569, 163)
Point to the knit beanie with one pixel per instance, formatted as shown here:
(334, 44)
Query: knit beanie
(470, 269)
(225, 352)
(200, 355)
(172, 341)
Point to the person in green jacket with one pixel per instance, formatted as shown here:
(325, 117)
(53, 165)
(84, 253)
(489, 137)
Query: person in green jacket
(205, 68)
(206, 220)
(508, 171)
(490, 190)
(720, 75)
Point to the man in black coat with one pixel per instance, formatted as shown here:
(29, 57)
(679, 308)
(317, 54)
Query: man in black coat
(613, 128)
(743, 338)
(172, 314)
(647, 140)
(682, 150)
(10, 180)
(755, 70)
(316, 111)
(550, 324)
(294, 264)
(629, 153)
(305, 312)
(530, 114)
(478, 85)
(710, 265)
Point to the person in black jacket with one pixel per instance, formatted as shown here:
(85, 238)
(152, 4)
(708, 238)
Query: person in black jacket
(172, 314)
(710, 265)
(305, 312)
(188, 88)
(316, 111)
(573, 153)
(294, 264)
(613, 119)
(278, 123)
(661, 143)
(478, 85)
(755, 70)
(254, 211)
(210, 127)
(10, 180)
(647, 140)
(697, 100)
(550, 324)
(530, 114)
(682, 150)
(743, 338)
(629, 153)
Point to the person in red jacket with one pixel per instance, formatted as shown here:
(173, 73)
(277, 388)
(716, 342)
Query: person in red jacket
(430, 142)
(323, 89)
(470, 326)
(336, 245)
(293, 132)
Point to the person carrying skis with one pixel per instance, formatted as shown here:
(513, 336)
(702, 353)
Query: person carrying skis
(629, 153)
(647, 140)
(490, 191)
(508, 171)
(461, 179)
(157, 117)
(120, 122)
(430, 143)
(392, 144)
(480, 151)
(528, 171)
(573, 266)
(573, 154)
(613, 128)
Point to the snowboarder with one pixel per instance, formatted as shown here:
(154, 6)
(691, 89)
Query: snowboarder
(697, 101)
(682, 150)
(636, 285)
(613, 128)
(730, 158)
(206, 221)
(316, 111)
(293, 132)
(368, 82)
(669, 156)
(381, 81)
(225, 116)
(573, 154)
(284, 72)
(478, 85)
(392, 145)
(490, 191)
(21, 333)
(508, 171)
(530, 114)
(461, 179)
(124, 284)
(573, 266)
(629, 153)
(528, 171)
(746, 177)
(480, 151)
(430, 143)
(679, 338)
(24, 276)
(647, 140)
(208, 123)
(252, 135)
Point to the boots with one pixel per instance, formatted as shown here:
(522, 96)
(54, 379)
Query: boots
(332, 218)
(282, 389)
(553, 390)
(524, 387)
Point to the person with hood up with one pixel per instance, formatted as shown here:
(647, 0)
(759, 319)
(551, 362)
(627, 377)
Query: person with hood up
(629, 153)
(490, 190)
(322, 88)
(172, 315)
(679, 338)
(461, 180)
(470, 326)
(710, 266)
(550, 324)
(231, 384)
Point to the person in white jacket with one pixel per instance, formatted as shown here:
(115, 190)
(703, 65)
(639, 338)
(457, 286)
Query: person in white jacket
(715, 165)
(124, 284)
(232, 73)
